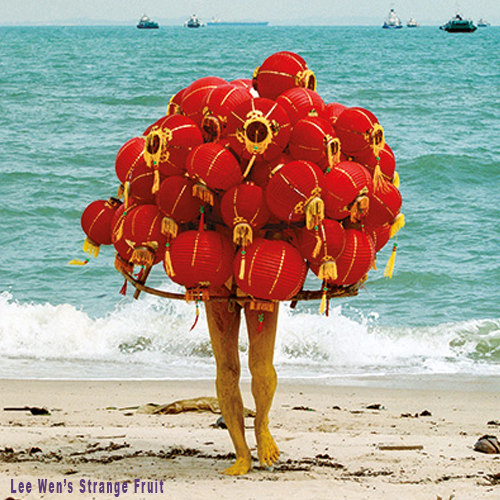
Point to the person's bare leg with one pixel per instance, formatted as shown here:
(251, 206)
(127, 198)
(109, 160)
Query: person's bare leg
(264, 379)
(223, 326)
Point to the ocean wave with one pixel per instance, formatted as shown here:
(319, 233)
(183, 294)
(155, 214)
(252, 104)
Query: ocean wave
(152, 338)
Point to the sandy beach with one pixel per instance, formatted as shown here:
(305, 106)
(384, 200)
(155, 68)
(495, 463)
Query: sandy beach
(336, 442)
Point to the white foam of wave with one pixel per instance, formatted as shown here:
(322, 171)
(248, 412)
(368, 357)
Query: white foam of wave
(151, 337)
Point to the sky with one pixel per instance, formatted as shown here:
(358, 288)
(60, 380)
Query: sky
(277, 12)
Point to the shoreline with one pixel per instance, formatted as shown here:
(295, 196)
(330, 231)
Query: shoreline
(461, 382)
(336, 441)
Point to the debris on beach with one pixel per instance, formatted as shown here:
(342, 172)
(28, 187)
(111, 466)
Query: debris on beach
(200, 404)
(487, 444)
(34, 410)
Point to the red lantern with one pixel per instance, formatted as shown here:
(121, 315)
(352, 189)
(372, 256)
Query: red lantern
(262, 171)
(176, 202)
(282, 71)
(122, 248)
(356, 259)
(174, 105)
(96, 222)
(258, 129)
(381, 165)
(201, 258)
(244, 210)
(294, 193)
(129, 155)
(140, 182)
(212, 165)
(168, 143)
(274, 270)
(195, 93)
(243, 82)
(348, 186)
(142, 233)
(300, 102)
(380, 235)
(385, 207)
(358, 129)
(313, 139)
(217, 106)
(332, 111)
(323, 246)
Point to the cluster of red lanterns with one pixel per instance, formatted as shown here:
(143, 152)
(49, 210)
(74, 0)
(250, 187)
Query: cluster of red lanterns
(255, 180)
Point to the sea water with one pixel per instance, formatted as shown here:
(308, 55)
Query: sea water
(71, 96)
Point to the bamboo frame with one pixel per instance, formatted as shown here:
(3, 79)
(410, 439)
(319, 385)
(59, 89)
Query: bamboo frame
(303, 295)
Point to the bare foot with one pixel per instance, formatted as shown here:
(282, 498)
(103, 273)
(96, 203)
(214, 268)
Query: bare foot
(267, 450)
(240, 467)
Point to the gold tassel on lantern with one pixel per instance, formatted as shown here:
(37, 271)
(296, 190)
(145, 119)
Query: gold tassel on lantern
(144, 255)
(319, 243)
(378, 177)
(327, 269)
(126, 194)
(91, 248)
(242, 236)
(324, 298)
(78, 262)
(396, 181)
(399, 223)
(202, 192)
(389, 268)
(169, 269)
(156, 182)
(241, 274)
(169, 227)
(315, 210)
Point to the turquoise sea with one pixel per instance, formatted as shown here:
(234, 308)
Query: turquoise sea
(71, 96)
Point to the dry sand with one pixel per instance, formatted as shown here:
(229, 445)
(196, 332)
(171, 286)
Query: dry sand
(417, 445)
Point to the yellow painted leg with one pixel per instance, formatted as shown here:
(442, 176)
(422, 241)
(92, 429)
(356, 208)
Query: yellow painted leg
(264, 379)
(223, 326)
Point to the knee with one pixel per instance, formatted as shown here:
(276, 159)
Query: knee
(228, 370)
(262, 372)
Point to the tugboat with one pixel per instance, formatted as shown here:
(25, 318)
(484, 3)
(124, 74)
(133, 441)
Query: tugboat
(193, 22)
(412, 23)
(392, 22)
(458, 24)
(146, 23)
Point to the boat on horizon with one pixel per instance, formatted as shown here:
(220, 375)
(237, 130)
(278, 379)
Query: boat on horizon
(218, 22)
(457, 24)
(412, 23)
(482, 23)
(193, 22)
(392, 21)
(146, 23)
